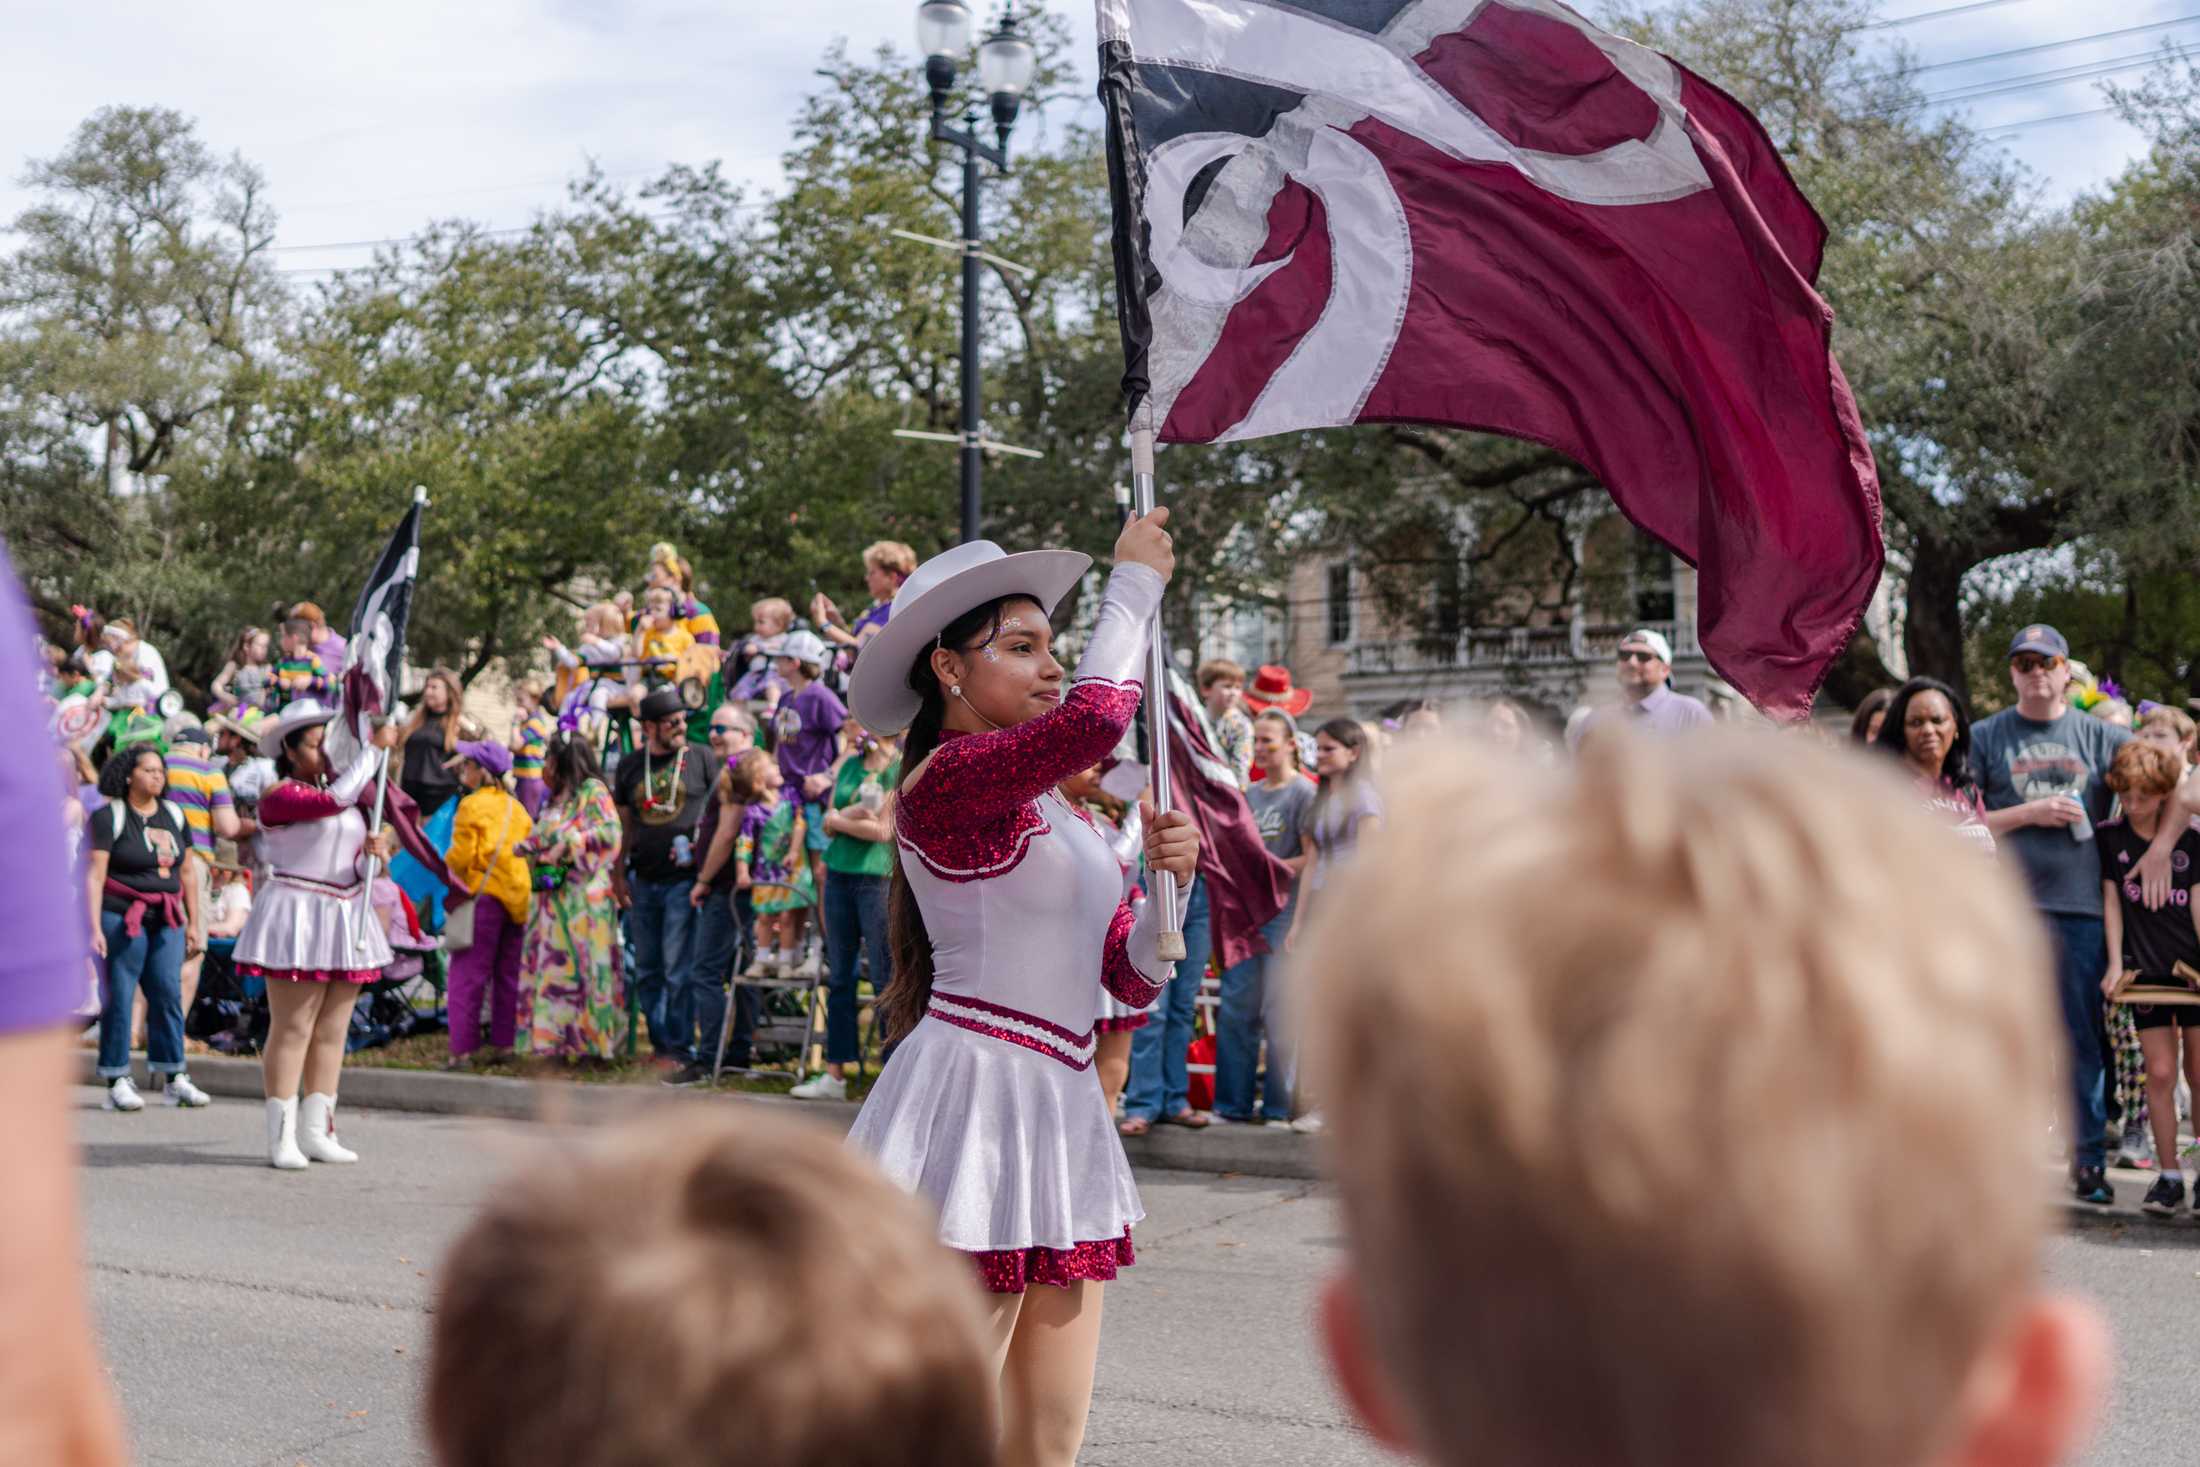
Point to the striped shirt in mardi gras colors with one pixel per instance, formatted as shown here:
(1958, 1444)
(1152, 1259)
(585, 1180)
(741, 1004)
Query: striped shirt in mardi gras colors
(534, 742)
(199, 789)
(304, 676)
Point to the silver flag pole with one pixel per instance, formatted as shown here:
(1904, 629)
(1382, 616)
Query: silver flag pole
(1171, 935)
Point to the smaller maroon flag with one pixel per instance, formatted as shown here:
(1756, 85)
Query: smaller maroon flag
(1246, 886)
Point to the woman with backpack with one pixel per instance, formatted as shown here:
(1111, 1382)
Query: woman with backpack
(145, 922)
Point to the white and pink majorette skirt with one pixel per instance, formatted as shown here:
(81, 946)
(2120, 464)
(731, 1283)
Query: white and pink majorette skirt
(312, 932)
(997, 1118)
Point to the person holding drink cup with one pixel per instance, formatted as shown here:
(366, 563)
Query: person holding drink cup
(2042, 768)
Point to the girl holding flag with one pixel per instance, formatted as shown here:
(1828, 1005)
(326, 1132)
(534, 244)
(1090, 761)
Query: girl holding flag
(1007, 917)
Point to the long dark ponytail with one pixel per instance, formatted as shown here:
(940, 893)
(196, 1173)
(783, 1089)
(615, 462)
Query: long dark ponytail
(909, 993)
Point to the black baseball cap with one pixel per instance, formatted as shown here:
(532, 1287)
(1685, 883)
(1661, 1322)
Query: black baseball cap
(2042, 640)
(662, 703)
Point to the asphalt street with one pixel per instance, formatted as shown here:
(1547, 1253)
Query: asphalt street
(255, 1317)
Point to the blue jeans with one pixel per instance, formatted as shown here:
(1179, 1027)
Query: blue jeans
(722, 934)
(1252, 1001)
(152, 960)
(1158, 1076)
(2081, 958)
(662, 926)
(855, 909)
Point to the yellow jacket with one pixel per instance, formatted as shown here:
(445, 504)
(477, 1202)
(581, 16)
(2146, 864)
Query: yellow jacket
(668, 644)
(479, 827)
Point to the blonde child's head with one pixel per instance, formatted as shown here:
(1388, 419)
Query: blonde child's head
(753, 777)
(603, 621)
(771, 616)
(2169, 726)
(1627, 1070)
(660, 603)
(705, 1287)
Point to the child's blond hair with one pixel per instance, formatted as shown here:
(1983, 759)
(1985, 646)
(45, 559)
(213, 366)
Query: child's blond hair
(772, 608)
(708, 1286)
(603, 620)
(1754, 982)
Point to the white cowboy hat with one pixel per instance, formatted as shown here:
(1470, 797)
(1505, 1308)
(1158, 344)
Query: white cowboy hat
(304, 713)
(943, 588)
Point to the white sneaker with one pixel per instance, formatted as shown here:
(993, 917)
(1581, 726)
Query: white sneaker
(1279, 1125)
(821, 1086)
(811, 967)
(181, 1092)
(766, 964)
(122, 1095)
(1310, 1124)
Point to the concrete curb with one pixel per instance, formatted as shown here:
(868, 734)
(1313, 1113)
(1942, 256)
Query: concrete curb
(1252, 1151)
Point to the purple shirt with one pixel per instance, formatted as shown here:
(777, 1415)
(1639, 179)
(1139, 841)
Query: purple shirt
(42, 975)
(330, 649)
(808, 729)
(1663, 712)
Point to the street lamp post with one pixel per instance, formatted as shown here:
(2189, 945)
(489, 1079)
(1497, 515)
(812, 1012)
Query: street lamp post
(1005, 65)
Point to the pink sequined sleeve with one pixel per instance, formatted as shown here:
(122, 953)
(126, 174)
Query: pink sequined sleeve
(991, 777)
(1118, 975)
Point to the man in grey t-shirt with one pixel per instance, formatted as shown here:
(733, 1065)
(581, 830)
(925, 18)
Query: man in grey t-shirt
(2040, 767)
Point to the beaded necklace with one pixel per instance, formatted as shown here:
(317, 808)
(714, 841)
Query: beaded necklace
(650, 802)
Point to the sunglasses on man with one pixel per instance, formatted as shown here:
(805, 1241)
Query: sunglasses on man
(1636, 654)
(2032, 662)
(724, 728)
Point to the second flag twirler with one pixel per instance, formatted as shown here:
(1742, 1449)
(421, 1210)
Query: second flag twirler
(1490, 214)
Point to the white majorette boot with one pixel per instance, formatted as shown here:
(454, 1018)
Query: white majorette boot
(282, 1136)
(317, 1130)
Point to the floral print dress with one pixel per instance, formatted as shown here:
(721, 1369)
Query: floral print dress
(570, 1000)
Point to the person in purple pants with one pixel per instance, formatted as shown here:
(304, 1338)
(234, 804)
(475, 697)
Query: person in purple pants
(485, 860)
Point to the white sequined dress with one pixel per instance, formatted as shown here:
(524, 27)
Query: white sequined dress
(991, 1108)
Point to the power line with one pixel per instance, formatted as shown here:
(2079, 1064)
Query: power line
(2043, 121)
(2061, 76)
(1885, 25)
(2160, 25)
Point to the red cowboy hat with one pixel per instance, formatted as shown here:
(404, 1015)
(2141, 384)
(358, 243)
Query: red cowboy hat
(1271, 688)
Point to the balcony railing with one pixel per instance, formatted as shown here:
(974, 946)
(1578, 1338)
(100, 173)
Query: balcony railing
(1577, 643)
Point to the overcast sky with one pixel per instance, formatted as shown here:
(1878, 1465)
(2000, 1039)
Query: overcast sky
(371, 120)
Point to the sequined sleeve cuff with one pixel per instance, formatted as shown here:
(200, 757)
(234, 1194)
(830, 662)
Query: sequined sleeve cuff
(1116, 650)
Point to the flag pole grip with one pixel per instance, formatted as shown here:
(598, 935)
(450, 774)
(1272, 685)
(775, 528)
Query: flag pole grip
(1170, 937)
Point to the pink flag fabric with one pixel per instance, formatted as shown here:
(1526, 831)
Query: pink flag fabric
(1490, 214)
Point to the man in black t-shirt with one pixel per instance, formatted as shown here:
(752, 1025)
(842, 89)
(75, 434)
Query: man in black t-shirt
(662, 789)
(2154, 943)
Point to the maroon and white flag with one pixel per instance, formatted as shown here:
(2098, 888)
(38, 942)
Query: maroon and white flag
(1490, 214)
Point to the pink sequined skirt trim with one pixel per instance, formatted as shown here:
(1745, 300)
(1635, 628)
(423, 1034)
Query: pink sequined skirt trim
(1012, 1270)
(1123, 1025)
(311, 975)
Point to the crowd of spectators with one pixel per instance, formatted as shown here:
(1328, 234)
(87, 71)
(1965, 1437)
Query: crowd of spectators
(674, 821)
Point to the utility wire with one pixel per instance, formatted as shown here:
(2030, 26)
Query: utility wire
(1903, 20)
(2060, 78)
(2043, 121)
(2160, 25)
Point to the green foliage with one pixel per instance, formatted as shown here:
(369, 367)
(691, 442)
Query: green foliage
(181, 440)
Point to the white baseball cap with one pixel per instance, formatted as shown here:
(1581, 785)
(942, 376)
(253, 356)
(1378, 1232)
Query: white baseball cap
(1644, 637)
